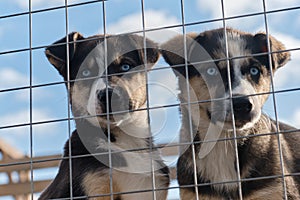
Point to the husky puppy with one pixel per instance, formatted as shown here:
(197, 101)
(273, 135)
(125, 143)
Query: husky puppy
(110, 154)
(224, 82)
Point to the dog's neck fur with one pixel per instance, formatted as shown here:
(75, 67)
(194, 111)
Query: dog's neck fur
(132, 138)
(132, 135)
(216, 160)
(134, 132)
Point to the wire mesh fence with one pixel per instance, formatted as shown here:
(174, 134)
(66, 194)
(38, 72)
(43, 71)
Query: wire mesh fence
(36, 117)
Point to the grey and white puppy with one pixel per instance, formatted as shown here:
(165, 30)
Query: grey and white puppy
(111, 149)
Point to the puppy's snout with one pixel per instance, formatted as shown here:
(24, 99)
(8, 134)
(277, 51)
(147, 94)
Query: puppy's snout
(111, 100)
(242, 107)
(105, 96)
(107, 99)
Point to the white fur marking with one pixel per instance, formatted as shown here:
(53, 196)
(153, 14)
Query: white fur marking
(93, 99)
(244, 87)
(219, 165)
(213, 134)
(236, 44)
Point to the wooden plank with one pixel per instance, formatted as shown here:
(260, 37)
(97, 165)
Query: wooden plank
(173, 173)
(10, 151)
(169, 150)
(54, 160)
(24, 163)
(23, 188)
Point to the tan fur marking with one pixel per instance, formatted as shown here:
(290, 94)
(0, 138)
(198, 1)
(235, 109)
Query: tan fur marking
(98, 183)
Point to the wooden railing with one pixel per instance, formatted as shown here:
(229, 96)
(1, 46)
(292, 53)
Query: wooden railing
(17, 166)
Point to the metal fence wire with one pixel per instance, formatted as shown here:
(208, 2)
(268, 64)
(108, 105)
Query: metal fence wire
(36, 117)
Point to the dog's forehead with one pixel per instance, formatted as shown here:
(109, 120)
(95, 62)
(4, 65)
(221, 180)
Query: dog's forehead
(111, 52)
(238, 45)
(119, 48)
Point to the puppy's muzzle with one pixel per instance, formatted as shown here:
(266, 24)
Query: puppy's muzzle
(242, 108)
(112, 102)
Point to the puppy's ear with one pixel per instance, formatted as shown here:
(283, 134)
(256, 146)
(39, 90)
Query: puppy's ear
(173, 51)
(152, 51)
(57, 52)
(151, 48)
(279, 59)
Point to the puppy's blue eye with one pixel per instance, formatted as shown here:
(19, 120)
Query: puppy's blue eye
(125, 67)
(211, 71)
(254, 71)
(86, 72)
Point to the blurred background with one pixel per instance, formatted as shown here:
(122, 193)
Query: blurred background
(164, 19)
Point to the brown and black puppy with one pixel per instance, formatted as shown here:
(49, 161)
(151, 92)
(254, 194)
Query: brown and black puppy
(219, 109)
(111, 150)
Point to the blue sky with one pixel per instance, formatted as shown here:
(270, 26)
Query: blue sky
(50, 103)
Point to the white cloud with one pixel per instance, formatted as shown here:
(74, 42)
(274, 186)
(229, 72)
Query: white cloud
(20, 136)
(241, 7)
(164, 83)
(279, 4)
(288, 74)
(153, 19)
(38, 4)
(22, 117)
(232, 7)
(295, 120)
(163, 90)
(10, 78)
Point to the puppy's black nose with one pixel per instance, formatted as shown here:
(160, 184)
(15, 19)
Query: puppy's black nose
(115, 100)
(241, 107)
(105, 97)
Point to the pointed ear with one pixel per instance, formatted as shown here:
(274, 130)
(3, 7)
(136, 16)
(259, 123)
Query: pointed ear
(279, 59)
(151, 48)
(57, 52)
(152, 51)
(173, 51)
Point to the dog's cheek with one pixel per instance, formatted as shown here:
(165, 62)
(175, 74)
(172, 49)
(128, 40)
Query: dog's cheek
(203, 90)
(134, 85)
(139, 92)
(139, 97)
(79, 98)
(263, 88)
